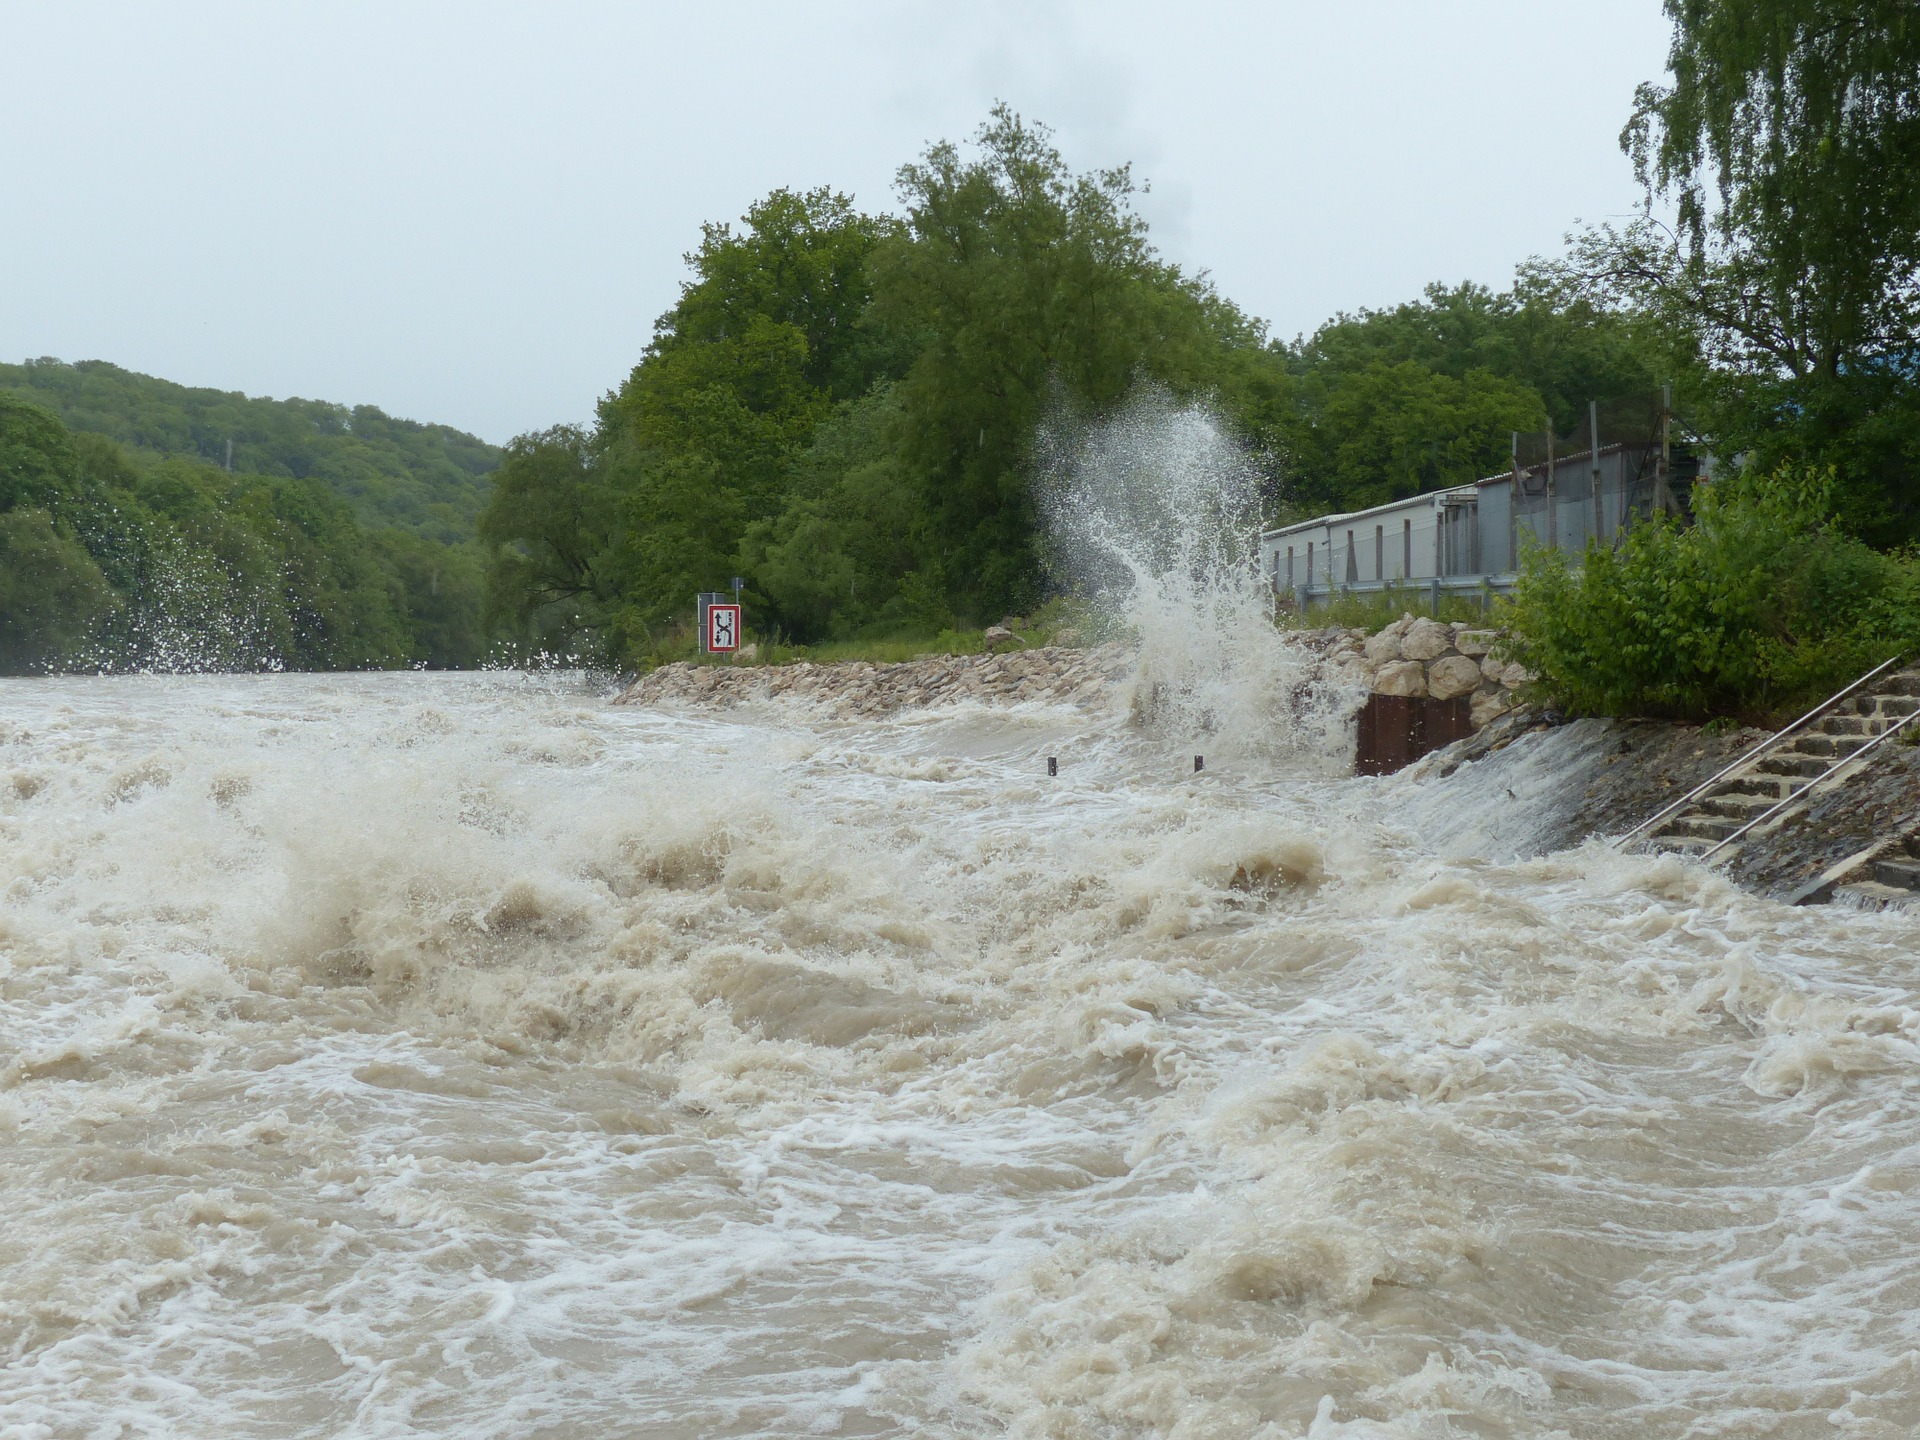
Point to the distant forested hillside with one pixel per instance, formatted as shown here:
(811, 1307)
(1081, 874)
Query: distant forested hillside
(432, 480)
(117, 558)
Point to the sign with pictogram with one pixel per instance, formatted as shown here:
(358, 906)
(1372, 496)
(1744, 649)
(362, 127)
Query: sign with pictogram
(723, 629)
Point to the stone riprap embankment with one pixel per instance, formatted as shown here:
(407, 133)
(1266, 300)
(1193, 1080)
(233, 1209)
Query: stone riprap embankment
(1410, 657)
(859, 688)
(1422, 657)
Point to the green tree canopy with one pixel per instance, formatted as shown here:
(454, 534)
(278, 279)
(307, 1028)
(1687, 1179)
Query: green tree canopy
(1386, 403)
(1023, 285)
(1788, 141)
(553, 528)
(842, 409)
(697, 444)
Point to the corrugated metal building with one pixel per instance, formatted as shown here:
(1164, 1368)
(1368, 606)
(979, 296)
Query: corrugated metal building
(1467, 540)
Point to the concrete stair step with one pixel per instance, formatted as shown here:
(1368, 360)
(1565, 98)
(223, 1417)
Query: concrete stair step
(1782, 763)
(1681, 844)
(1790, 769)
(1737, 806)
(1825, 746)
(1773, 787)
(1872, 895)
(1899, 874)
(1707, 827)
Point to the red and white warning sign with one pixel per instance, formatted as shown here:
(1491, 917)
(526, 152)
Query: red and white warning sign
(723, 628)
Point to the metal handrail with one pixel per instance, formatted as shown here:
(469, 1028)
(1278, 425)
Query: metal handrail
(1825, 775)
(1755, 753)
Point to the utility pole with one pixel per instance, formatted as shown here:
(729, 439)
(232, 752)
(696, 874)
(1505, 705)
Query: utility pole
(1513, 508)
(1553, 504)
(1593, 440)
(1663, 481)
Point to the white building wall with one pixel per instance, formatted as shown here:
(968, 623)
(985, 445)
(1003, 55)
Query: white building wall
(1393, 543)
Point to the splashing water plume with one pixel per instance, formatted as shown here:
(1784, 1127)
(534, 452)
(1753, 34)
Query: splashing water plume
(1155, 511)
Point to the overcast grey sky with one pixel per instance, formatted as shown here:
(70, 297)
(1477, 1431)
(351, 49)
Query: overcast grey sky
(473, 212)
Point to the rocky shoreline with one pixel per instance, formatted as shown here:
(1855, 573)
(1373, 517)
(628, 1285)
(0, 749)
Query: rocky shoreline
(854, 689)
(1414, 657)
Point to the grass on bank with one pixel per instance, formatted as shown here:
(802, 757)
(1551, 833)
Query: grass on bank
(1378, 609)
(1061, 621)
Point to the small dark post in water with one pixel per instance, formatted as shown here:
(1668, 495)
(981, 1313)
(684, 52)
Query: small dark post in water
(1199, 763)
(1053, 764)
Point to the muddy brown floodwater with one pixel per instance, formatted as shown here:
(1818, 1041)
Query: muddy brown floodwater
(434, 1055)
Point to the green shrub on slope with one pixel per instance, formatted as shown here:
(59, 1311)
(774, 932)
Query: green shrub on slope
(1761, 605)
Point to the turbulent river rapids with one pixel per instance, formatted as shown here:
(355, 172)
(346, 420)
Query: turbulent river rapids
(467, 1056)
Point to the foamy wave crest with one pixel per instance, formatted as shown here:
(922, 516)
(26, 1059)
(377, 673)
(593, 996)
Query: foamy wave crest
(1155, 511)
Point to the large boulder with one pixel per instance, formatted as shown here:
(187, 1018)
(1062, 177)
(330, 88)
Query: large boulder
(1474, 642)
(1401, 677)
(1353, 670)
(1385, 646)
(1488, 705)
(1516, 675)
(1452, 675)
(1426, 640)
(1493, 667)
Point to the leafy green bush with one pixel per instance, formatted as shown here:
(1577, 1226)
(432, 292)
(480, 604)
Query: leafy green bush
(1761, 604)
(51, 592)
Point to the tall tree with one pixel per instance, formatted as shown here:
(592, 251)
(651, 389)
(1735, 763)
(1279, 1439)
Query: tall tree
(698, 443)
(1022, 284)
(1385, 403)
(1788, 142)
(1543, 333)
(551, 526)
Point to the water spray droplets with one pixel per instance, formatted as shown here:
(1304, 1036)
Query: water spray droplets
(1155, 513)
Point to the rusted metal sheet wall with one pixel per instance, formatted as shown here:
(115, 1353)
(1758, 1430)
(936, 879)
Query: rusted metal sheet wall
(1396, 730)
